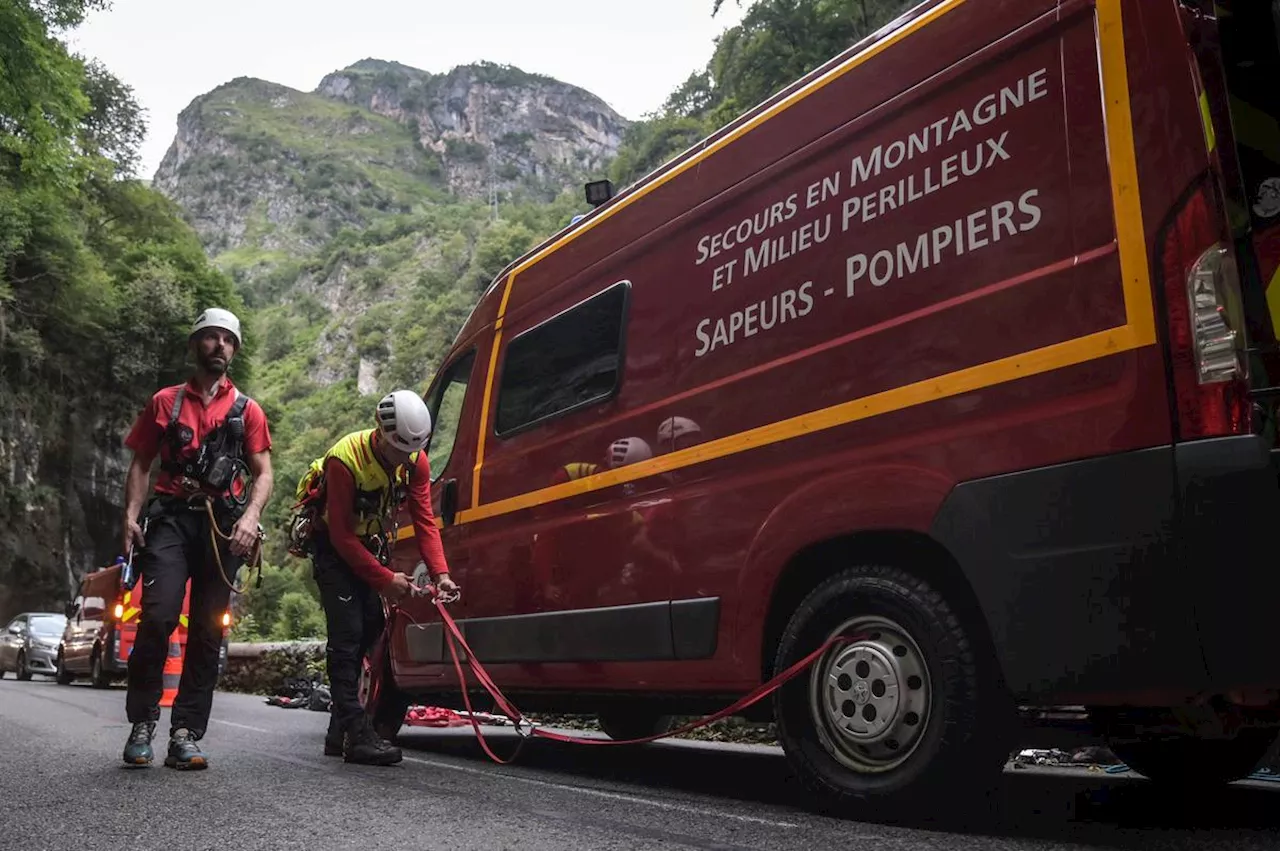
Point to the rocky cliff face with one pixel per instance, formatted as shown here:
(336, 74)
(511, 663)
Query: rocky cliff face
(495, 128)
(258, 163)
(361, 221)
(62, 478)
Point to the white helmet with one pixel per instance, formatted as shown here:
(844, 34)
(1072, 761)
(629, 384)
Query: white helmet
(404, 420)
(674, 428)
(628, 450)
(216, 317)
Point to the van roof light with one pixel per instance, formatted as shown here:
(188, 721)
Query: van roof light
(599, 192)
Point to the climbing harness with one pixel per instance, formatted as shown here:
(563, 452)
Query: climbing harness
(218, 463)
(253, 562)
(527, 730)
(371, 506)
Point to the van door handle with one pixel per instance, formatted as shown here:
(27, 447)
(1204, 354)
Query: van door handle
(449, 502)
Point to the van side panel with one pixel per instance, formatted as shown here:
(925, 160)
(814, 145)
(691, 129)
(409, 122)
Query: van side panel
(903, 302)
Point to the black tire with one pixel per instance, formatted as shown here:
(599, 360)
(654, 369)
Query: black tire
(622, 725)
(1196, 764)
(21, 667)
(942, 734)
(388, 709)
(98, 677)
(64, 677)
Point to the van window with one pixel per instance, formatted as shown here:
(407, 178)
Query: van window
(568, 362)
(445, 405)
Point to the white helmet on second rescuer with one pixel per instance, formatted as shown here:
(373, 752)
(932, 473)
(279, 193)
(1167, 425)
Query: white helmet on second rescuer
(404, 420)
(216, 317)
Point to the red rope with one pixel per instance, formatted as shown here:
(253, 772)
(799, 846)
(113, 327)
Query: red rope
(453, 637)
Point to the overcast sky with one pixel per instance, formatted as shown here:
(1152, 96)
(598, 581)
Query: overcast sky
(631, 54)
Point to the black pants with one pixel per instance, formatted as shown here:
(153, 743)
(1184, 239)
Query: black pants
(178, 548)
(354, 620)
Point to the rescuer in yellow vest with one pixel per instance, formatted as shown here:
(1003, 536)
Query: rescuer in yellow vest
(362, 482)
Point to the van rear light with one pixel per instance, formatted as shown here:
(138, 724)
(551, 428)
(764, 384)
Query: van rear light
(119, 611)
(1202, 297)
(1217, 351)
(226, 619)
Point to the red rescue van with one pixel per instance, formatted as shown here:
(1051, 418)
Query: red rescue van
(958, 346)
(102, 622)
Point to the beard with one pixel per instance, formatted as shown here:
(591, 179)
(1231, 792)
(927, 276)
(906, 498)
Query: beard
(213, 364)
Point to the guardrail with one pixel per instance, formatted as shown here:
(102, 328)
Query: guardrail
(253, 650)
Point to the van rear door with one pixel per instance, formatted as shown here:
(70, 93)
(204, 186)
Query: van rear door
(1237, 48)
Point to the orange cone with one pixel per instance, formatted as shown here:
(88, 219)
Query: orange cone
(172, 674)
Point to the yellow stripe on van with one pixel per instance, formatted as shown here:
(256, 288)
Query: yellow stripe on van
(488, 389)
(1139, 330)
(1130, 229)
(1206, 118)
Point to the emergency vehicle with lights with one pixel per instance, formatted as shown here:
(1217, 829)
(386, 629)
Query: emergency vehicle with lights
(959, 347)
(102, 622)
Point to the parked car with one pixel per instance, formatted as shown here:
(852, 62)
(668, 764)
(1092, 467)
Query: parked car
(29, 644)
(956, 348)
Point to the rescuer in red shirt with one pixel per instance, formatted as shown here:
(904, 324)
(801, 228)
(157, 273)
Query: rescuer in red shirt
(207, 436)
(367, 477)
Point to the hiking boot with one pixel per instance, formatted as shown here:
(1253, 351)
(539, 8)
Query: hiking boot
(333, 738)
(364, 746)
(137, 751)
(184, 753)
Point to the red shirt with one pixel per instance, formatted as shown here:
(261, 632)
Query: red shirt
(146, 438)
(340, 491)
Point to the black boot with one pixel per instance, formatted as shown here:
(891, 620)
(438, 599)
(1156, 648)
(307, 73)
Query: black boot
(364, 746)
(333, 738)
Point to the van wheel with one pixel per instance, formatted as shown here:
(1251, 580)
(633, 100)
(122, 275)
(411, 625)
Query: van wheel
(622, 725)
(1196, 764)
(388, 707)
(64, 677)
(896, 715)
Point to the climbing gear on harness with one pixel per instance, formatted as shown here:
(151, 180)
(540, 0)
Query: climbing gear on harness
(378, 497)
(254, 562)
(218, 462)
(203, 502)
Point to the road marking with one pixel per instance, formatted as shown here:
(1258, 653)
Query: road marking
(241, 726)
(600, 793)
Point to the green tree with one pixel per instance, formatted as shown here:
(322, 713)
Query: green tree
(777, 42)
(300, 618)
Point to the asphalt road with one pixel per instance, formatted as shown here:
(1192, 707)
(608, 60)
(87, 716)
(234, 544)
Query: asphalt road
(63, 786)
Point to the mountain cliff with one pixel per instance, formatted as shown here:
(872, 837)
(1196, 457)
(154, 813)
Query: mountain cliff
(361, 220)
